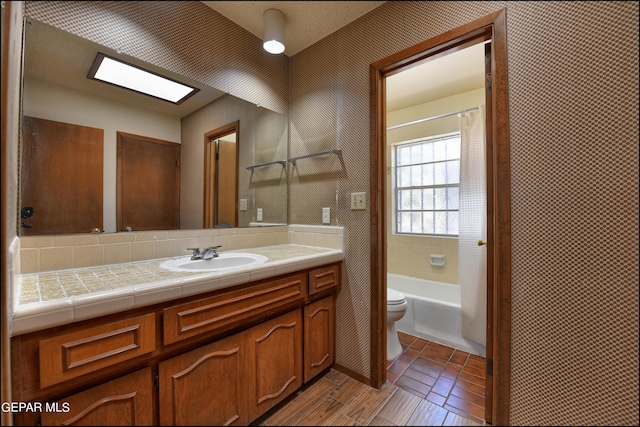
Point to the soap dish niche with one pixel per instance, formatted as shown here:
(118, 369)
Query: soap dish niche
(437, 260)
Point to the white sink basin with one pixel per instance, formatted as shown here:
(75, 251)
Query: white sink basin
(224, 261)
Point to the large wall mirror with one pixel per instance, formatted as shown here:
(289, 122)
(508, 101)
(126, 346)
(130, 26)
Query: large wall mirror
(79, 135)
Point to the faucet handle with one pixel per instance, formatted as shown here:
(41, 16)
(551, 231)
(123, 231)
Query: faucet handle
(214, 250)
(196, 252)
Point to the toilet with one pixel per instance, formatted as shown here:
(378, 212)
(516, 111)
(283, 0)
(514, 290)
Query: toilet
(396, 309)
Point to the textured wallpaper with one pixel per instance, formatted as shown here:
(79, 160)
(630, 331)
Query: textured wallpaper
(573, 95)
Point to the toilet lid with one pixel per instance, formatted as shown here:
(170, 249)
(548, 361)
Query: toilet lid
(395, 297)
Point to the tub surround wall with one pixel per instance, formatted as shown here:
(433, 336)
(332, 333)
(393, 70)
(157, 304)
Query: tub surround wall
(409, 254)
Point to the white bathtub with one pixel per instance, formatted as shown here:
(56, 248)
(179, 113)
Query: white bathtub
(433, 312)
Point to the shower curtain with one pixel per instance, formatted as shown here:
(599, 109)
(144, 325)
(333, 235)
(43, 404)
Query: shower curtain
(472, 259)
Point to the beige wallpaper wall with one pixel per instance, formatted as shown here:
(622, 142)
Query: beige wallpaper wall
(573, 77)
(573, 84)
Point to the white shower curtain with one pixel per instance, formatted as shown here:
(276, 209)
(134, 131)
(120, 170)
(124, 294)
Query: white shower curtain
(472, 258)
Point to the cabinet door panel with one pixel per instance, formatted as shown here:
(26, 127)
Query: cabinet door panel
(319, 336)
(125, 401)
(275, 351)
(204, 386)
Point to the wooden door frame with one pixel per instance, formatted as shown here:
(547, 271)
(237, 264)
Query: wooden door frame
(491, 27)
(209, 172)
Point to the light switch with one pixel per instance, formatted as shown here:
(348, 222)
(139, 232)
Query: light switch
(358, 201)
(326, 215)
(243, 204)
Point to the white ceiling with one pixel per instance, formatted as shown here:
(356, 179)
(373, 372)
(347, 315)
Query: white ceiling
(445, 76)
(308, 22)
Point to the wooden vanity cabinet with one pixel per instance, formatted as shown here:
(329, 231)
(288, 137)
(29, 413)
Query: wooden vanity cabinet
(224, 357)
(234, 380)
(205, 386)
(274, 371)
(319, 336)
(125, 401)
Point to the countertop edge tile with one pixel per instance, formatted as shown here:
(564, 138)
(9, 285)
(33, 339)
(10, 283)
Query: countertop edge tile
(102, 308)
(200, 286)
(212, 276)
(102, 296)
(152, 296)
(34, 308)
(285, 267)
(283, 259)
(262, 272)
(234, 279)
(43, 320)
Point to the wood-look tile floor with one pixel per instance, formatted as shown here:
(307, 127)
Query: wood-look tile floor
(429, 384)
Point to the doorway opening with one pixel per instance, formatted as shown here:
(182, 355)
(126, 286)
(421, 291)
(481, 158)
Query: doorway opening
(221, 177)
(490, 30)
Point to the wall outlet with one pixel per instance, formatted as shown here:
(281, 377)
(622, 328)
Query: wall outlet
(358, 201)
(326, 215)
(243, 204)
(259, 214)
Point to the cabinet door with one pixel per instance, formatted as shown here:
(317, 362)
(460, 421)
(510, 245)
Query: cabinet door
(205, 386)
(319, 336)
(274, 350)
(125, 401)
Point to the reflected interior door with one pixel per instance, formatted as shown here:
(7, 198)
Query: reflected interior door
(148, 184)
(227, 182)
(61, 177)
(221, 176)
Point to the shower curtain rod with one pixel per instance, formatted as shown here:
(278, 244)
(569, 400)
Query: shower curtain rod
(441, 116)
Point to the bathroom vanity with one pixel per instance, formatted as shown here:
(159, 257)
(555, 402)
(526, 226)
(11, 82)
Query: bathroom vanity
(221, 356)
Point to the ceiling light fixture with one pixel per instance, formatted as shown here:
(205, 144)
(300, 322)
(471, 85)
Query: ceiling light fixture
(273, 35)
(119, 73)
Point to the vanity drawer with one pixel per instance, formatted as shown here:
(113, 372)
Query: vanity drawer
(324, 278)
(77, 353)
(209, 314)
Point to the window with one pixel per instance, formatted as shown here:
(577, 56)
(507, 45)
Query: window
(427, 186)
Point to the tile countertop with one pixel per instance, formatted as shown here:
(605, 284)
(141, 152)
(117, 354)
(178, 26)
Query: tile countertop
(56, 298)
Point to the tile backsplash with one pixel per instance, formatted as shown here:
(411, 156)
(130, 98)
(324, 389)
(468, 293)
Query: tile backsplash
(59, 252)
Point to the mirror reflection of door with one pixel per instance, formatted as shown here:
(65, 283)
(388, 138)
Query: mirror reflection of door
(69, 157)
(221, 177)
(147, 184)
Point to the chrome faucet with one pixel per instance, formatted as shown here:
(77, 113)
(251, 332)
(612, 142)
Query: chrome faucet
(207, 253)
(196, 253)
(211, 252)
